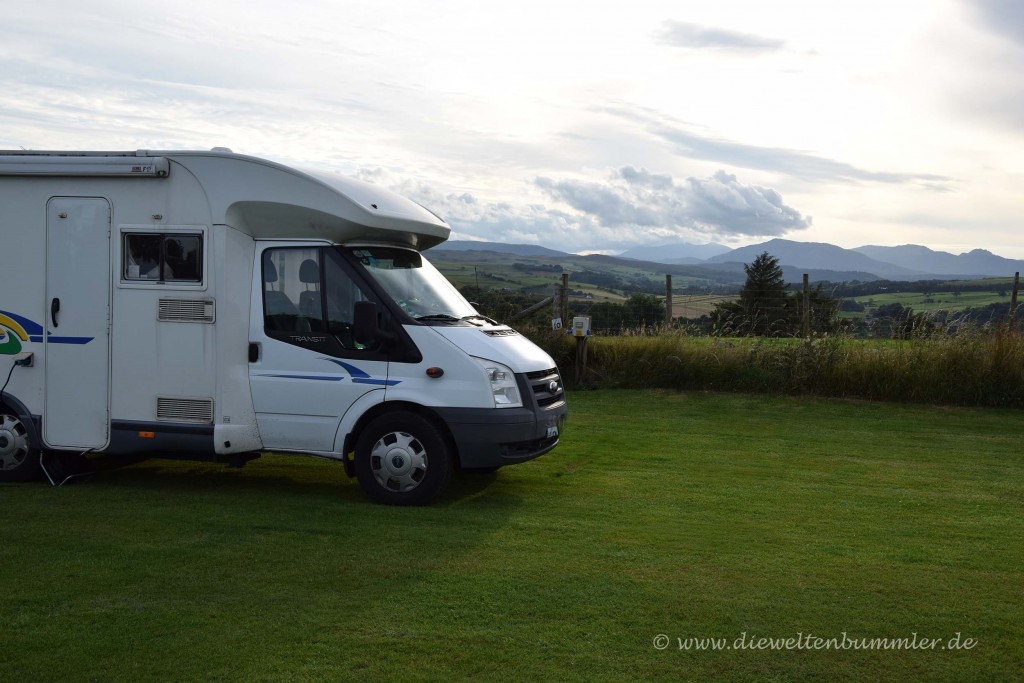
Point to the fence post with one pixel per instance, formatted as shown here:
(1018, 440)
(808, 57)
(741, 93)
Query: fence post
(581, 360)
(668, 299)
(565, 301)
(556, 303)
(1013, 297)
(807, 308)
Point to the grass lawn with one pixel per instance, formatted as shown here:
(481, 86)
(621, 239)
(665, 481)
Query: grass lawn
(689, 515)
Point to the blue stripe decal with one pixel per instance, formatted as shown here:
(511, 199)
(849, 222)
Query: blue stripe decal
(34, 331)
(30, 326)
(322, 378)
(358, 376)
(350, 369)
(68, 340)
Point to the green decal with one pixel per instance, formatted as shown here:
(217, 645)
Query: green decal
(9, 344)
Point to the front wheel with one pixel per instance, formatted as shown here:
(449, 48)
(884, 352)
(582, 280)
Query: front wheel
(402, 459)
(18, 461)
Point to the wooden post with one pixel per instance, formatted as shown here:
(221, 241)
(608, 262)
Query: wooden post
(581, 360)
(1013, 297)
(565, 301)
(668, 299)
(532, 309)
(556, 304)
(807, 308)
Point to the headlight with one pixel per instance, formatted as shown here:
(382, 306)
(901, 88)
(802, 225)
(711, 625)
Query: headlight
(503, 384)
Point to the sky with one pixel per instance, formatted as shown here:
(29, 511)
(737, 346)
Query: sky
(580, 126)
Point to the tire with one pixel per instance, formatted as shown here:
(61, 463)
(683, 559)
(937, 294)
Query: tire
(18, 460)
(402, 459)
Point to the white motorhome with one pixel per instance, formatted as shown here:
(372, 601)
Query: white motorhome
(209, 305)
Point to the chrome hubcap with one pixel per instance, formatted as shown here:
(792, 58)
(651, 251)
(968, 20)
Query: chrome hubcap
(398, 461)
(13, 442)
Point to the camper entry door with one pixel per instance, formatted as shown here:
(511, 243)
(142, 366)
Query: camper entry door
(77, 319)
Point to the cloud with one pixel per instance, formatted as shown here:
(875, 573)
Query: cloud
(1005, 17)
(630, 207)
(795, 163)
(719, 205)
(681, 34)
(995, 89)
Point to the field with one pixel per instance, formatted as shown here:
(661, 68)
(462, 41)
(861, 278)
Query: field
(539, 275)
(930, 302)
(705, 516)
(696, 305)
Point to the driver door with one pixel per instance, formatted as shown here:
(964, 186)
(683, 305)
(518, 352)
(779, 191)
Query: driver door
(309, 370)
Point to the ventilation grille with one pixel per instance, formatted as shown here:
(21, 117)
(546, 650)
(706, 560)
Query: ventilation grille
(186, 310)
(508, 332)
(184, 409)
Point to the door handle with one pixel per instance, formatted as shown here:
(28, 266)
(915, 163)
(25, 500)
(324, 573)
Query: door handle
(54, 310)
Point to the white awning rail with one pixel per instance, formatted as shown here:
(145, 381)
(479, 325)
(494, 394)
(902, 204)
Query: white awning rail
(128, 164)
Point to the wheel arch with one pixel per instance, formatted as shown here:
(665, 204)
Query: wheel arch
(390, 407)
(9, 402)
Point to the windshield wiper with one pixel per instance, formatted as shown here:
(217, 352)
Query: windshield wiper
(444, 317)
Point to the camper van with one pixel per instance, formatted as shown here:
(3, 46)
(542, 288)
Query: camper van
(214, 306)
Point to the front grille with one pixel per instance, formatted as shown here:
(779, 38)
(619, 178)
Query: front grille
(540, 383)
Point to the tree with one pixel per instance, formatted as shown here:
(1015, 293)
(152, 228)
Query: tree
(766, 306)
(640, 310)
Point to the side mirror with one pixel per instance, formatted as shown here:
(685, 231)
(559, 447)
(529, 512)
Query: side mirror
(365, 328)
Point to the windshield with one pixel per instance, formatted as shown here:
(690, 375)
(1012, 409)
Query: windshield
(414, 284)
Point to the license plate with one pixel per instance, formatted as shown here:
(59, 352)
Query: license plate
(552, 431)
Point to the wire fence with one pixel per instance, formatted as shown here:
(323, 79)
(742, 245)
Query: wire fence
(811, 312)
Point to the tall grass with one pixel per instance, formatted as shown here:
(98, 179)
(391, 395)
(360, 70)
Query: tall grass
(970, 367)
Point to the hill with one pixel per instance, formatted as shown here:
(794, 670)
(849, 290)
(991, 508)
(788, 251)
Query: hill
(976, 263)
(872, 262)
(497, 247)
(678, 252)
(819, 255)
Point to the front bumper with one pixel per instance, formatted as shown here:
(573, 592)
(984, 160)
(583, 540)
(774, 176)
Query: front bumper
(494, 437)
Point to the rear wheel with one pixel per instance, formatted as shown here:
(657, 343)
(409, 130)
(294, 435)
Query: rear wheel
(18, 461)
(402, 459)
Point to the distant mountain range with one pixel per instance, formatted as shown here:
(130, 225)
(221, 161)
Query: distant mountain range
(907, 262)
(681, 252)
(819, 255)
(499, 247)
(826, 261)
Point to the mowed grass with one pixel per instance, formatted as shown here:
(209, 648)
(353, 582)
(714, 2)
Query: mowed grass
(685, 514)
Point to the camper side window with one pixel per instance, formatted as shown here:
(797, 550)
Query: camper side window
(156, 257)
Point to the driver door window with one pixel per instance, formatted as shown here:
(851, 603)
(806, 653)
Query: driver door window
(309, 300)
